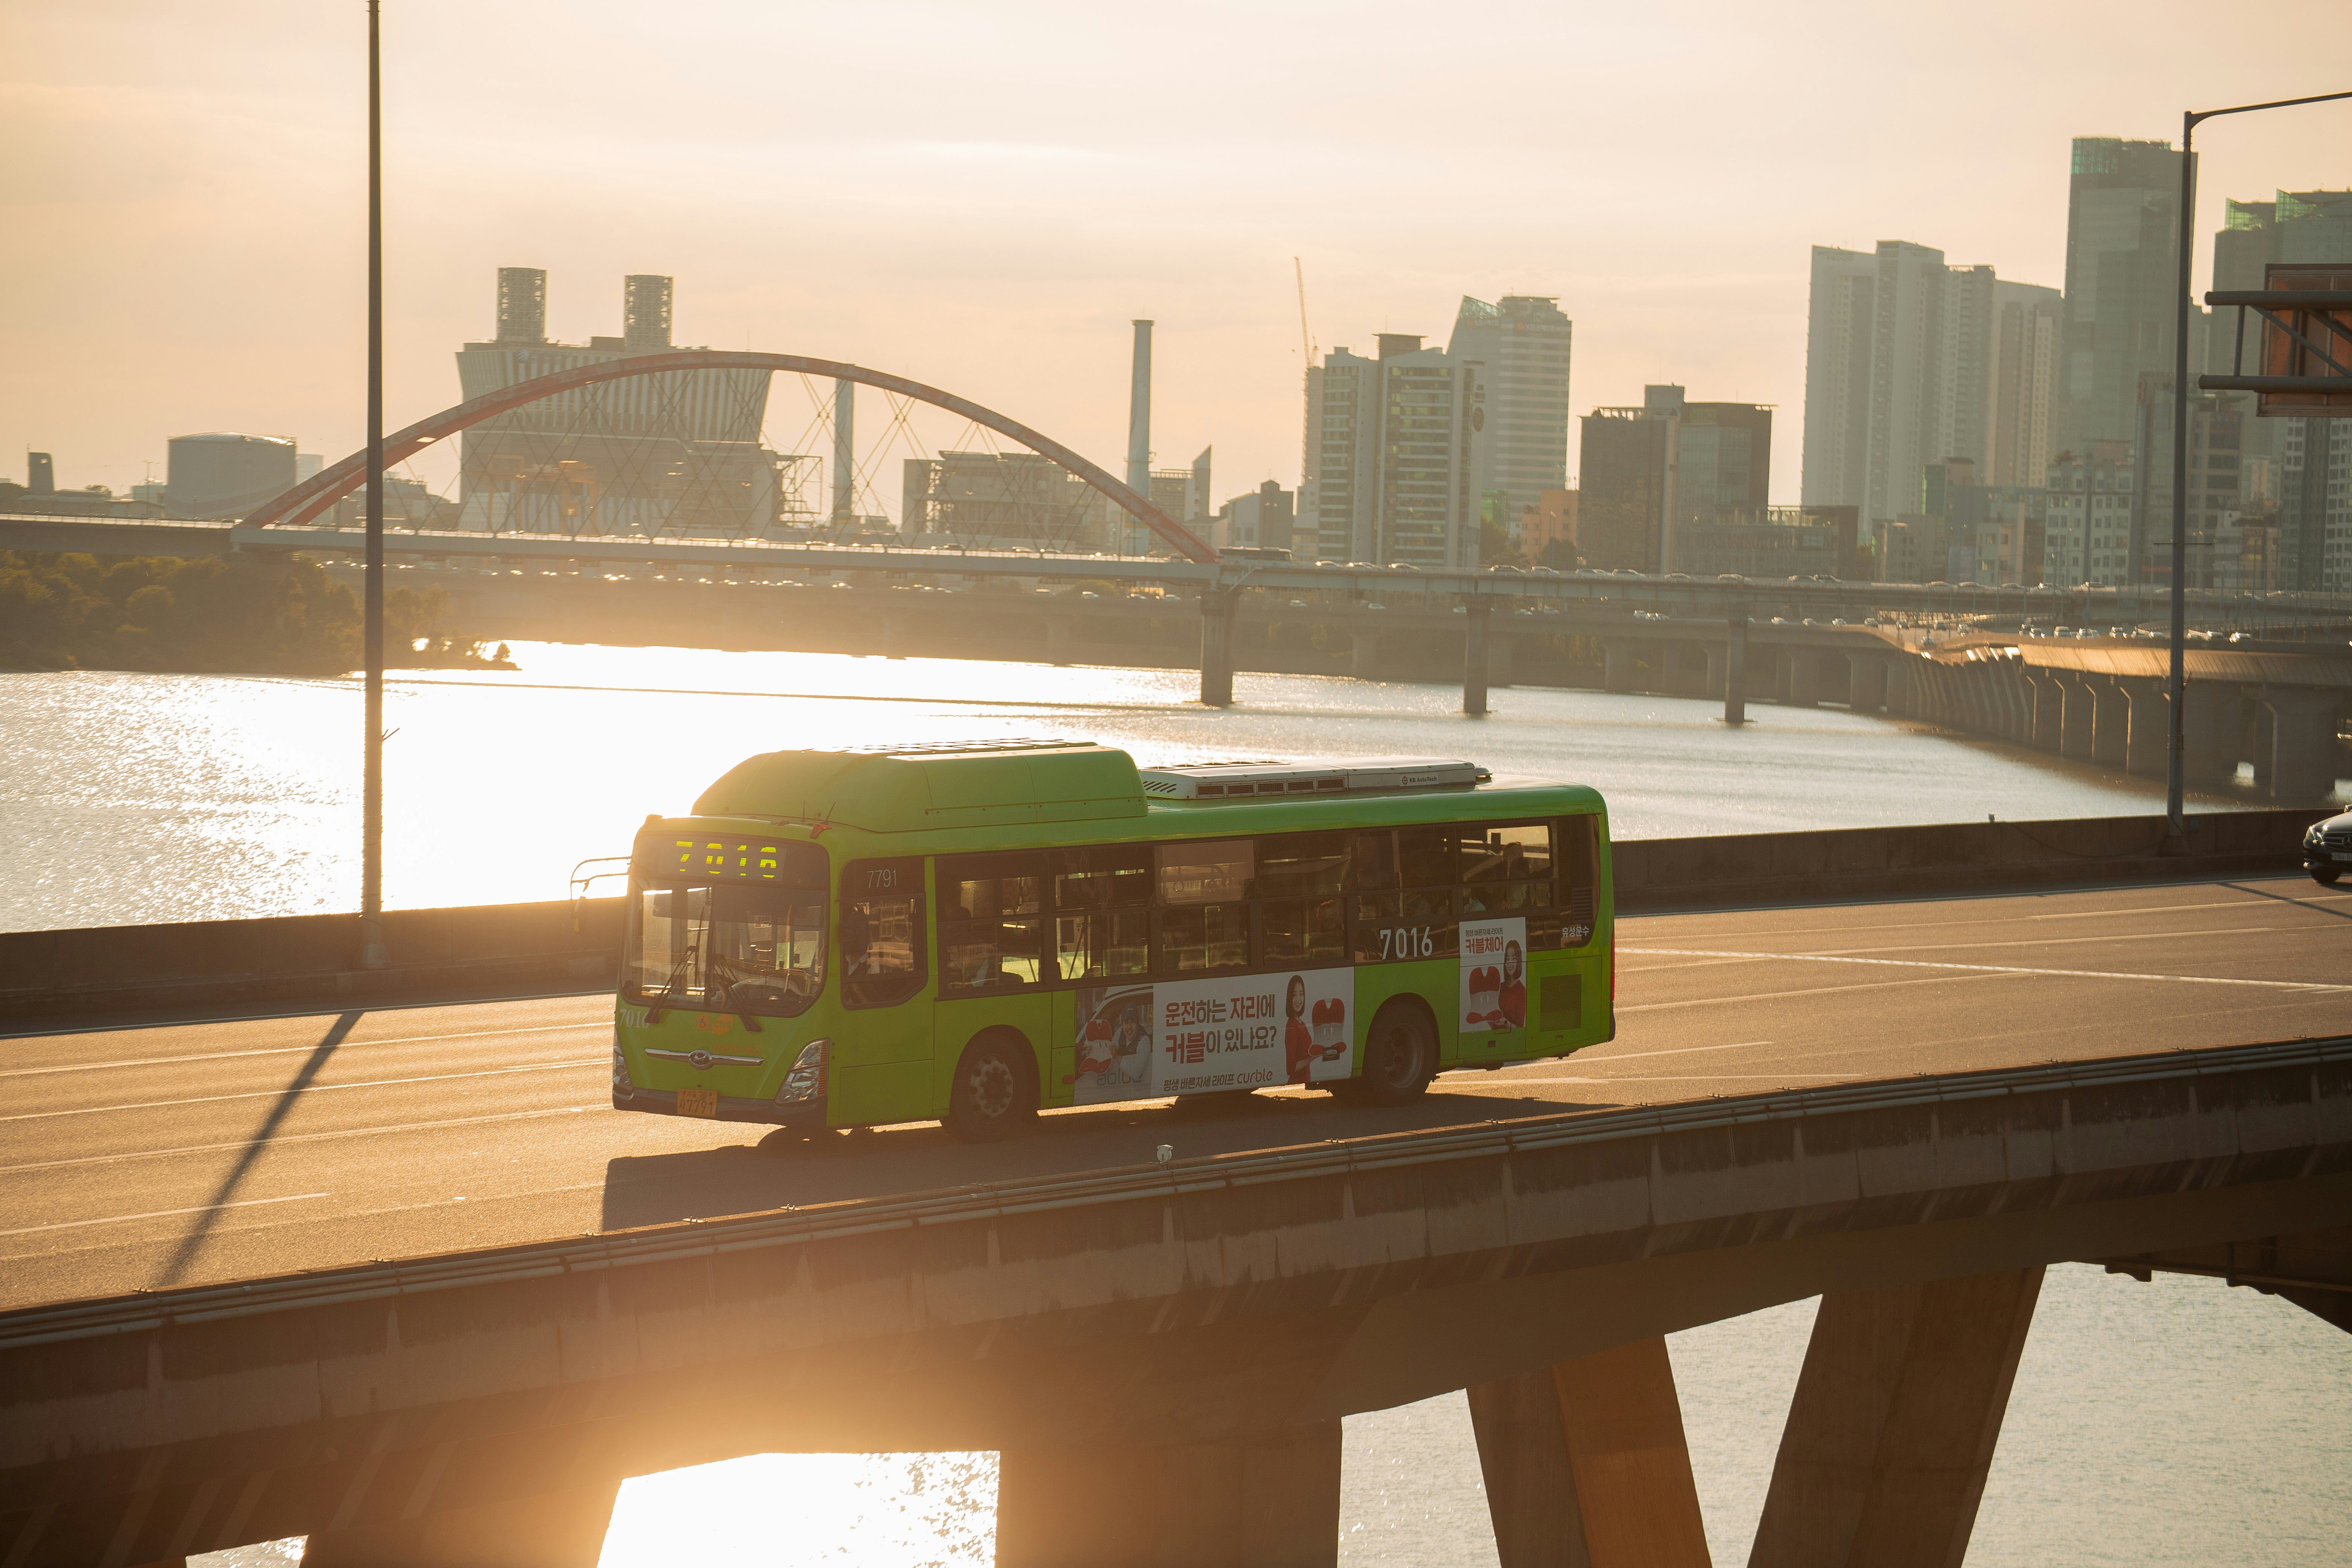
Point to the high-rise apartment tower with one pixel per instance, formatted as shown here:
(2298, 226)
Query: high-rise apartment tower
(1523, 339)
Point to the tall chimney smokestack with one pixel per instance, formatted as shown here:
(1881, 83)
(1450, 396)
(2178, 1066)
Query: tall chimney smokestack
(844, 478)
(1138, 415)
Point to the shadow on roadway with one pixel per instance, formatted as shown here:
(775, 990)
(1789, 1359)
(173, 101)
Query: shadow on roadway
(789, 1168)
(312, 1065)
(2300, 903)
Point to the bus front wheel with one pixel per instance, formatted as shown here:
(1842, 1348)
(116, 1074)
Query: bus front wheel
(1400, 1057)
(995, 1095)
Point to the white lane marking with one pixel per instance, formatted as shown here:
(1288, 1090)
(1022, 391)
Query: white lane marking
(2278, 903)
(1950, 923)
(2078, 941)
(302, 1138)
(1632, 1056)
(163, 1214)
(1685, 1077)
(300, 1050)
(1808, 991)
(310, 1089)
(1982, 969)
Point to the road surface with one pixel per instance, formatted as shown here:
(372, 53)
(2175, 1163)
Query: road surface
(136, 1158)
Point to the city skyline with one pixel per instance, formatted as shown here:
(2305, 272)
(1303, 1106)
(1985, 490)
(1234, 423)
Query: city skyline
(993, 232)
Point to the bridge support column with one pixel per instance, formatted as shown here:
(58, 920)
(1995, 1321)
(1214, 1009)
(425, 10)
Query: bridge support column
(2303, 753)
(1473, 662)
(1269, 1502)
(1616, 667)
(1586, 1466)
(562, 1529)
(1865, 687)
(2049, 709)
(2077, 719)
(2110, 722)
(1217, 647)
(1889, 1437)
(1902, 686)
(1685, 670)
(1735, 667)
(2147, 745)
(1364, 655)
(1062, 633)
(2016, 691)
(2210, 731)
(1502, 659)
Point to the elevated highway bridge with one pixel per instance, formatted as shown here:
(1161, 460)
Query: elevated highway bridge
(509, 1297)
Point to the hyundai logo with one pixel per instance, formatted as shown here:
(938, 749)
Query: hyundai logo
(698, 1060)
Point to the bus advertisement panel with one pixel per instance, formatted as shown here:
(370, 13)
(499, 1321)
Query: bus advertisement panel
(1200, 1037)
(1494, 975)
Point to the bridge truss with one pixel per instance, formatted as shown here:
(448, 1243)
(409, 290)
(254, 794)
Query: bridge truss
(669, 445)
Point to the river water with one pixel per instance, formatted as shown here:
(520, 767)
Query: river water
(2179, 1423)
(134, 798)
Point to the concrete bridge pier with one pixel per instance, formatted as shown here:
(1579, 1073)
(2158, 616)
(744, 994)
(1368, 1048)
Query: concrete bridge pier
(1474, 663)
(1586, 1464)
(1502, 657)
(1882, 1461)
(1364, 655)
(2209, 733)
(2078, 719)
(2148, 747)
(1685, 670)
(559, 1529)
(2018, 691)
(1217, 647)
(2303, 753)
(1735, 669)
(1901, 686)
(1866, 690)
(2049, 709)
(1617, 667)
(2110, 721)
(1061, 635)
(1264, 1502)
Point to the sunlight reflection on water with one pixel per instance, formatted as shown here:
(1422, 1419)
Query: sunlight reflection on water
(130, 798)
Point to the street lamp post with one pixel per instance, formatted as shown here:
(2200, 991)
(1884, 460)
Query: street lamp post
(2177, 686)
(371, 949)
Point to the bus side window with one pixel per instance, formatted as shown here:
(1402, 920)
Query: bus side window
(1102, 911)
(881, 931)
(1301, 881)
(1507, 870)
(1404, 883)
(1204, 907)
(1578, 866)
(991, 922)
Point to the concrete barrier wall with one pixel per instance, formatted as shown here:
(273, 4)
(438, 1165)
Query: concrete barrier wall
(305, 959)
(1660, 874)
(510, 948)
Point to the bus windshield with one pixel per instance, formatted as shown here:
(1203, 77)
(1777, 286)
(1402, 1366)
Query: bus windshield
(729, 948)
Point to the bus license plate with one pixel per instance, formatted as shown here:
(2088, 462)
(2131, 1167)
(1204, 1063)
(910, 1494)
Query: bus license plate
(698, 1102)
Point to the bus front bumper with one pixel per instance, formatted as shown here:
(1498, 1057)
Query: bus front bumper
(807, 1113)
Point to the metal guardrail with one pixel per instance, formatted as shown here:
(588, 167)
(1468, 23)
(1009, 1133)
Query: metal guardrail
(790, 1226)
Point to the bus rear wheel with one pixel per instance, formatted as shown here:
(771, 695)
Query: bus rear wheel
(995, 1095)
(1400, 1057)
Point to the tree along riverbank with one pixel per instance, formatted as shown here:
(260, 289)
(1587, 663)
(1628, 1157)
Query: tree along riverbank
(213, 614)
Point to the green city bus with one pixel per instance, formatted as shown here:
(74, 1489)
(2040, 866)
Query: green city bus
(972, 931)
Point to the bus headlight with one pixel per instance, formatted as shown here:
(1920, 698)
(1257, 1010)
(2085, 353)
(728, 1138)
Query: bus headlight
(806, 1081)
(622, 1088)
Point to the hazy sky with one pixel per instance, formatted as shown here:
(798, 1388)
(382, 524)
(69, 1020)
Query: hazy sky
(980, 196)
